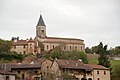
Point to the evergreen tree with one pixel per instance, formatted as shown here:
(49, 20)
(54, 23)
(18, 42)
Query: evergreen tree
(103, 58)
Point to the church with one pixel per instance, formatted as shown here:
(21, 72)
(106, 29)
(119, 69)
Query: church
(48, 43)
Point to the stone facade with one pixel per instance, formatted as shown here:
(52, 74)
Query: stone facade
(49, 43)
(23, 46)
(80, 70)
(46, 69)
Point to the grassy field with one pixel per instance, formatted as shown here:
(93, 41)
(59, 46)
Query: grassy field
(113, 62)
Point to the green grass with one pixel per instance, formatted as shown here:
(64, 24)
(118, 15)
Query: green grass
(113, 62)
(93, 61)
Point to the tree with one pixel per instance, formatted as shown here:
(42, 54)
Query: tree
(116, 73)
(94, 49)
(70, 55)
(88, 50)
(103, 58)
(5, 45)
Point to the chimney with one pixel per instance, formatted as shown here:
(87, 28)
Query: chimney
(32, 62)
(79, 59)
(55, 58)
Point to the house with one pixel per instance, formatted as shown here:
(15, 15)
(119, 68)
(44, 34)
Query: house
(80, 70)
(23, 46)
(5, 75)
(25, 71)
(46, 69)
(43, 42)
(99, 72)
(72, 67)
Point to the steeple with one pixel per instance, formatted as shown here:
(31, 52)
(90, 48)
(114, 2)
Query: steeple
(41, 28)
(41, 22)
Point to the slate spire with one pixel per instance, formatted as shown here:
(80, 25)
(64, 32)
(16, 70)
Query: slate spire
(41, 22)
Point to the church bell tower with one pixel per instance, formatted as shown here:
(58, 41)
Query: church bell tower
(41, 28)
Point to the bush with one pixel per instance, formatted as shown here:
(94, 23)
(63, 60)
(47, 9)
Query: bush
(11, 56)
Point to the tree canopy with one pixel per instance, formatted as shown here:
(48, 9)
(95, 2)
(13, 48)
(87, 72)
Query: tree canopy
(103, 58)
(5, 45)
(70, 55)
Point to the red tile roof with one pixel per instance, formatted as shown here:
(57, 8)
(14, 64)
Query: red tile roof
(63, 38)
(72, 64)
(95, 66)
(20, 42)
(23, 42)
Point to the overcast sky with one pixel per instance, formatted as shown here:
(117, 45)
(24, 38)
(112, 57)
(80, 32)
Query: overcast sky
(90, 20)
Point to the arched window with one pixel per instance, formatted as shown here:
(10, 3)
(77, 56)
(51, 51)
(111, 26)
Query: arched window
(83, 79)
(90, 79)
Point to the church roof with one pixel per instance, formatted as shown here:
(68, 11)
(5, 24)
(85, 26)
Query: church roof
(41, 22)
(64, 40)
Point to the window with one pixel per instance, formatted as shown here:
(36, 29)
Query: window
(75, 47)
(7, 77)
(98, 78)
(24, 52)
(104, 72)
(90, 79)
(97, 72)
(53, 46)
(15, 47)
(81, 48)
(30, 44)
(47, 47)
(47, 66)
(36, 72)
(70, 47)
(24, 46)
(37, 78)
(42, 31)
(18, 72)
(64, 47)
(47, 74)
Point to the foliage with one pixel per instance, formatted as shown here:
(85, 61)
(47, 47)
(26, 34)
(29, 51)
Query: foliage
(38, 55)
(66, 76)
(103, 58)
(115, 50)
(94, 49)
(5, 45)
(11, 56)
(116, 73)
(70, 55)
(88, 50)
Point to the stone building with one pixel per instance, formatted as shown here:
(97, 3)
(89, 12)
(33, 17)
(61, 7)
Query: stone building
(46, 69)
(51, 42)
(80, 70)
(23, 46)
(24, 71)
(6, 75)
